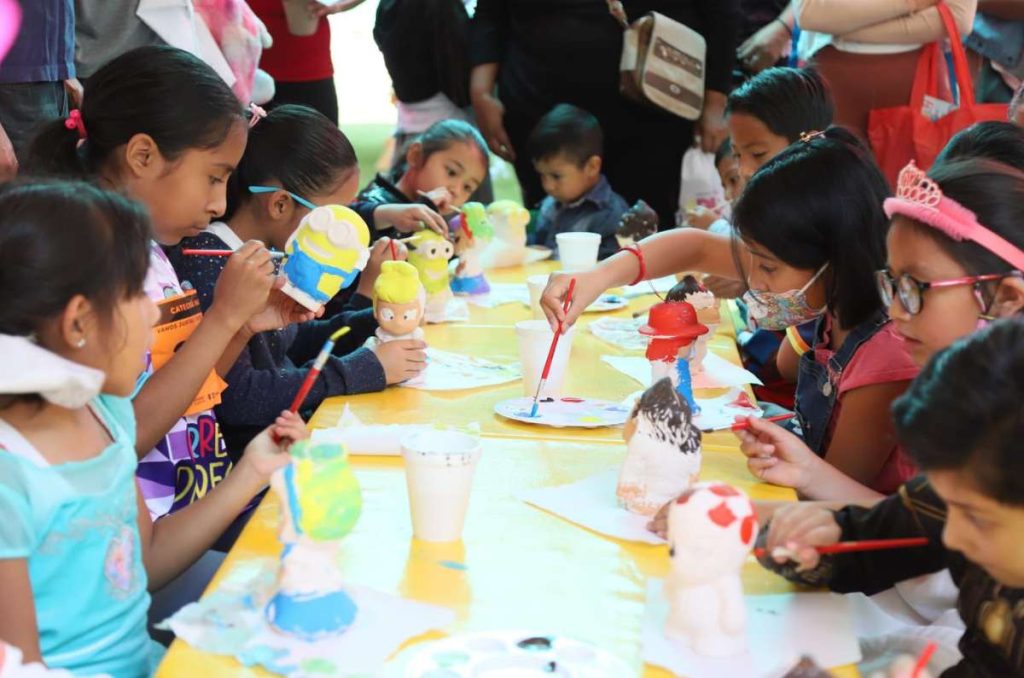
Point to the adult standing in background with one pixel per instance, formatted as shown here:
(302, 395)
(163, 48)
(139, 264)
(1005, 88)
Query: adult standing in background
(37, 77)
(105, 29)
(543, 52)
(868, 49)
(301, 65)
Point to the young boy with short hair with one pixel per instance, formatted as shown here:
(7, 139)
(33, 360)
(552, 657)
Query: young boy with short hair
(566, 148)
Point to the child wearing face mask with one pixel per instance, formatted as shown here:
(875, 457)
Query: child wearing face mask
(810, 237)
(961, 422)
(950, 270)
(443, 167)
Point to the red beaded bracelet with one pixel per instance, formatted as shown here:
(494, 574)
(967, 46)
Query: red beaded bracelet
(636, 251)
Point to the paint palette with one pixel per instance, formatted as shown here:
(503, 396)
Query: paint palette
(513, 654)
(607, 302)
(565, 412)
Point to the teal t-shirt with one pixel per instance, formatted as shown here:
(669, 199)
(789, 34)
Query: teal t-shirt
(75, 524)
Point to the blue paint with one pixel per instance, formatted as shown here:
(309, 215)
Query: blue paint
(311, 617)
(305, 272)
(685, 387)
(452, 565)
(293, 499)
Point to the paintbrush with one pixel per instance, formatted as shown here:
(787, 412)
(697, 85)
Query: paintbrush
(744, 425)
(855, 546)
(314, 372)
(424, 194)
(923, 659)
(551, 351)
(224, 253)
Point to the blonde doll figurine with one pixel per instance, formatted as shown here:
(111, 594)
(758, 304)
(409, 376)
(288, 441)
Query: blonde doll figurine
(429, 253)
(399, 299)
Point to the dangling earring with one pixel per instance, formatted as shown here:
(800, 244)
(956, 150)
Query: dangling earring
(80, 343)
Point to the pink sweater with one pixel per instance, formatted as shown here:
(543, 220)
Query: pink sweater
(882, 21)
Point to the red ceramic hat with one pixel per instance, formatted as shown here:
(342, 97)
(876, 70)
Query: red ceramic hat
(673, 319)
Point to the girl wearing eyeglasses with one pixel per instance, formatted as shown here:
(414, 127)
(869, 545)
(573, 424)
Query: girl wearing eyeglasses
(955, 261)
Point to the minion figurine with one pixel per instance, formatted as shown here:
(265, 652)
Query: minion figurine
(429, 252)
(325, 254)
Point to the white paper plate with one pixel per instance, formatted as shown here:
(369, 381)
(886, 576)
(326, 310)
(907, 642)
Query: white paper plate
(607, 302)
(514, 653)
(566, 412)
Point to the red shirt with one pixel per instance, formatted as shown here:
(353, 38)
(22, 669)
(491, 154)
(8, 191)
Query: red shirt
(293, 58)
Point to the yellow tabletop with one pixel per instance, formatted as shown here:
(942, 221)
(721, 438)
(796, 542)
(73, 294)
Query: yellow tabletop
(524, 568)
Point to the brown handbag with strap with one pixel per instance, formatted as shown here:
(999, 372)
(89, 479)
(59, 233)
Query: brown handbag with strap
(662, 63)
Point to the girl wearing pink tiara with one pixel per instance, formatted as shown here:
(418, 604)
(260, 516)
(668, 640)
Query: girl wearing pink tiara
(955, 262)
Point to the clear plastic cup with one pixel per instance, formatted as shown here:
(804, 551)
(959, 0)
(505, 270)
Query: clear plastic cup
(578, 251)
(534, 343)
(439, 468)
(536, 285)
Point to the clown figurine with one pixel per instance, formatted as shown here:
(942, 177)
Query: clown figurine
(320, 504)
(398, 302)
(662, 450)
(325, 254)
(429, 253)
(472, 232)
(673, 329)
(508, 248)
(708, 314)
(711, 530)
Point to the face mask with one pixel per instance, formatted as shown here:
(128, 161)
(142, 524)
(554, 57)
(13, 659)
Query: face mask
(779, 310)
(30, 368)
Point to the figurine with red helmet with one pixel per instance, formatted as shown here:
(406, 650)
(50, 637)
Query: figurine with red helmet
(673, 328)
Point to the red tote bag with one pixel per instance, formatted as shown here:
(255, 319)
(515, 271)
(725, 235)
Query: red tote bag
(903, 133)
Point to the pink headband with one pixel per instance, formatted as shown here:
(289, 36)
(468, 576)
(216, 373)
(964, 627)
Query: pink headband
(75, 121)
(921, 199)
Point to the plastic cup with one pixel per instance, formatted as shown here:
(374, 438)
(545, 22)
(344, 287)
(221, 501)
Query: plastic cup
(536, 285)
(439, 467)
(300, 20)
(578, 251)
(534, 343)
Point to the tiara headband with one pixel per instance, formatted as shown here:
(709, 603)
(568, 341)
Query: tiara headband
(921, 199)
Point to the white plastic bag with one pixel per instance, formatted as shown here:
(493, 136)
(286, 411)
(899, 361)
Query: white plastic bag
(700, 185)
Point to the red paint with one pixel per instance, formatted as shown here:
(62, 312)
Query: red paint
(572, 400)
(722, 515)
(685, 497)
(666, 348)
(748, 529)
(724, 491)
(743, 400)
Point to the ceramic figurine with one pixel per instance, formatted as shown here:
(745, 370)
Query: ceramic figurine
(690, 290)
(636, 223)
(508, 248)
(673, 329)
(711, 530)
(429, 253)
(325, 254)
(320, 504)
(662, 450)
(472, 232)
(399, 301)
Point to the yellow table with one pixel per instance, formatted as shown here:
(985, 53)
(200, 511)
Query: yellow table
(524, 568)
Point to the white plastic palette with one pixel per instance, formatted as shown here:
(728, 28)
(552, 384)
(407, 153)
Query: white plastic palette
(514, 654)
(565, 412)
(607, 302)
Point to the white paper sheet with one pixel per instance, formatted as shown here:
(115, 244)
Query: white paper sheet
(718, 372)
(591, 503)
(456, 310)
(374, 439)
(780, 629)
(501, 294)
(661, 285)
(621, 332)
(448, 371)
(230, 621)
(716, 414)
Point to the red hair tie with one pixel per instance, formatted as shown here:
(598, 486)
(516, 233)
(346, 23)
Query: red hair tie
(75, 121)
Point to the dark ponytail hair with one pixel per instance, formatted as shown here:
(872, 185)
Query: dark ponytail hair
(164, 92)
(990, 140)
(995, 193)
(819, 202)
(297, 147)
(441, 136)
(963, 411)
(789, 101)
(59, 239)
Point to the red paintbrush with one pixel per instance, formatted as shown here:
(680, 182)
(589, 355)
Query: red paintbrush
(863, 545)
(314, 372)
(394, 250)
(744, 425)
(922, 661)
(551, 351)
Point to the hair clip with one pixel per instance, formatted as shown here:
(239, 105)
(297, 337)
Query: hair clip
(257, 114)
(807, 137)
(75, 121)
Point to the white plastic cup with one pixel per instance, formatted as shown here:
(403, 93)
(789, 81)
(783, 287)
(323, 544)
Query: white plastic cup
(300, 20)
(534, 343)
(536, 285)
(578, 251)
(439, 468)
